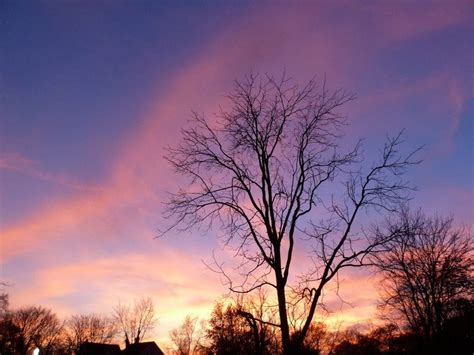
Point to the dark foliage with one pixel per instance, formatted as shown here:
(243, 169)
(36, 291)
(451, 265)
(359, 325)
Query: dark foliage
(232, 331)
(428, 279)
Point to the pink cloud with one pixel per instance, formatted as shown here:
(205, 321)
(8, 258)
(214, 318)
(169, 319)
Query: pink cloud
(50, 224)
(172, 280)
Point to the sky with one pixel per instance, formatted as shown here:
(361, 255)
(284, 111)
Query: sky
(91, 92)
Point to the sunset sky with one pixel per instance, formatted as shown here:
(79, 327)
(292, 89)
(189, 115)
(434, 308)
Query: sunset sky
(92, 91)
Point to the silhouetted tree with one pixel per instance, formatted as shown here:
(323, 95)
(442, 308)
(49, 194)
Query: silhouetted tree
(388, 337)
(9, 332)
(314, 342)
(3, 304)
(261, 170)
(135, 321)
(428, 272)
(91, 328)
(37, 327)
(10, 337)
(187, 337)
(231, 333)
(458, 330)
(353, 342)
(260, 315)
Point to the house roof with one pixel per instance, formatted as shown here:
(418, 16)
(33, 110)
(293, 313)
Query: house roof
(146, 348)
(88, 348)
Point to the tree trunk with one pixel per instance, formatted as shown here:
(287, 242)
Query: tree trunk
(284, 327)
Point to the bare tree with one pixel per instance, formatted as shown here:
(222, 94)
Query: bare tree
(264, 172)
(428, 269)
(92, 328)
(187, 337)
(38, 327)
(136, 321)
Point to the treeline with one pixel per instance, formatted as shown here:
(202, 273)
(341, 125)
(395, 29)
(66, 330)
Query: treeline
(427, 294)
(231, 329)
(24, 329)
(426, 299)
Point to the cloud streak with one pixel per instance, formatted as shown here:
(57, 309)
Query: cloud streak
(21, 164)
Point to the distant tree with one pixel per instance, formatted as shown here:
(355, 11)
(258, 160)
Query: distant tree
(91, 328)
(136, 321)
(10, 337)
(363, 345)
(187, 337)
(261, 316)
(389, 338)
(9, 332)
(37, 327)
(354, 342)
(229, 333)
(233, 329)
(315, 341)
(4, 300)
(428, 271)
(263, 172)
(458, 330)
(3, 304)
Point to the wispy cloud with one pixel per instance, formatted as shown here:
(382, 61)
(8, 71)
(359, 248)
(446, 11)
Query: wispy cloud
(23, 165)
(174, 281)
(405, 21)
